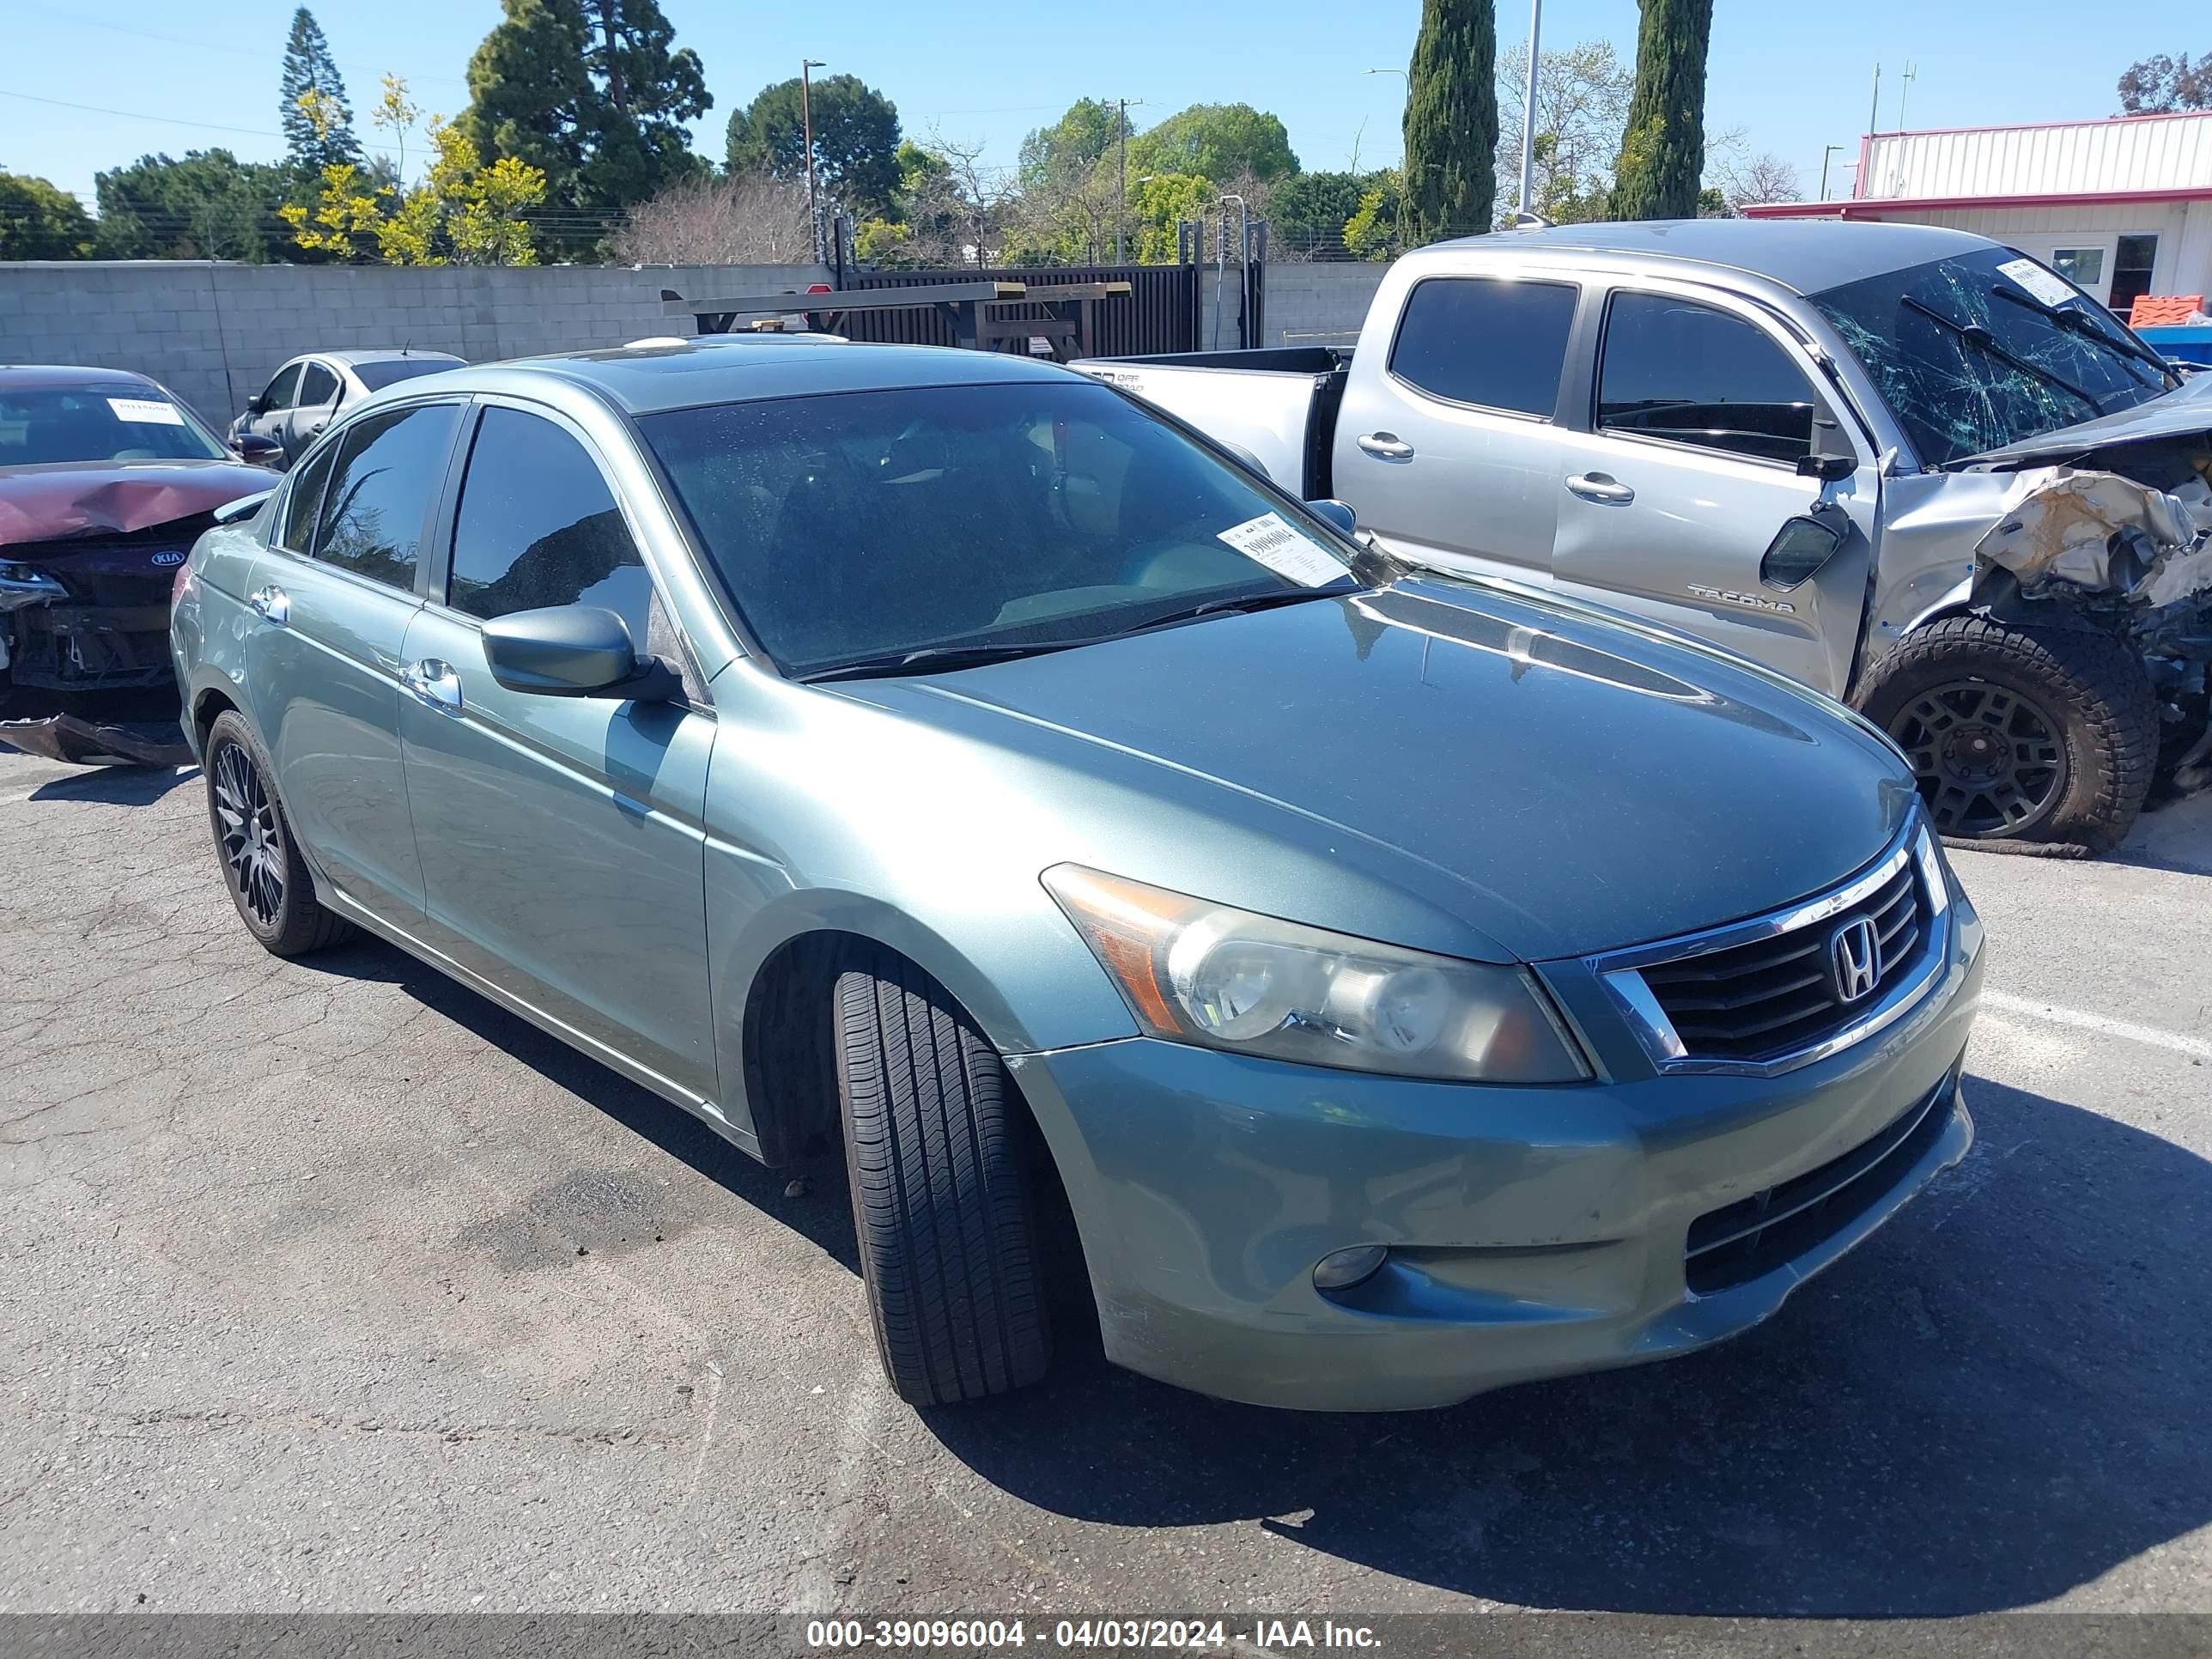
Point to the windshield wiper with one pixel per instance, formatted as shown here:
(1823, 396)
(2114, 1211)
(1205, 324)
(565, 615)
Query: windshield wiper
(933, 659)
(1976, 335)
(1237, 603)
(2081, 323)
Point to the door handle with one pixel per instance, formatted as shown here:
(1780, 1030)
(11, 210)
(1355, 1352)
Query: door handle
(433, 683)
(274, 604)
(1385, 446)
(1600, 486)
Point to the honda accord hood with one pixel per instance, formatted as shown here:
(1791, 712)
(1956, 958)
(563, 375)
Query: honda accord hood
(115, 498)
(1579, 785)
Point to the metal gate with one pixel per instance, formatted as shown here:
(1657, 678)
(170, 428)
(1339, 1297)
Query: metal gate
(1160, 313)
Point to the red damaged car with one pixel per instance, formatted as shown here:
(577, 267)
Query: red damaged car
(106, 481)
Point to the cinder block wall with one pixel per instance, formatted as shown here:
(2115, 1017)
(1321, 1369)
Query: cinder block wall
(213, 333)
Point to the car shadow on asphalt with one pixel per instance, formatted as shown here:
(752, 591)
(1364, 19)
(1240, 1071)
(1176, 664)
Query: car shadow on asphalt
(116, 786)
(1998, 1398)
(822, 1214)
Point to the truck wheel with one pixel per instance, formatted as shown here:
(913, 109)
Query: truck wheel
(2020, 733)
(262, 867)
(941, 1203)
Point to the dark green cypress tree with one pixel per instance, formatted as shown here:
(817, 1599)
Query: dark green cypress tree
(309, 65)
(1452, 120)
(1662, 153)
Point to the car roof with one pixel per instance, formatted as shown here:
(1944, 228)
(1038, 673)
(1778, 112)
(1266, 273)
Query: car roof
(1807, 255)
(645, 379)
(36, 377)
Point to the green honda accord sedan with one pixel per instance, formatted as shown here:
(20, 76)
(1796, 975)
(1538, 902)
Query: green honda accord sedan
(1355, 990)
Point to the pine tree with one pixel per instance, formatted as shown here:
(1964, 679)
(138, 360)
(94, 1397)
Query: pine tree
(592, 93)
(1451, 119)
(308, 68)
(1662, 153)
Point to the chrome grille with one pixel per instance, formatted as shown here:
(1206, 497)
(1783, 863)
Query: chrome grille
(1776, 994)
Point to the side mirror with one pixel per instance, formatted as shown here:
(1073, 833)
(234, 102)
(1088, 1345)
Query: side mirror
(574, 651)
(1828, 469)
(258, 447)
(1338, 515)
(1799, 548)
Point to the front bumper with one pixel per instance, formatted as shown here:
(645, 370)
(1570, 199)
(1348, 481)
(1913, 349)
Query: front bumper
(1533, 1231)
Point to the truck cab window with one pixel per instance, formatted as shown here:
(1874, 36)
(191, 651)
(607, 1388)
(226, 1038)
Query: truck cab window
(1690, 373)
(1495, 344)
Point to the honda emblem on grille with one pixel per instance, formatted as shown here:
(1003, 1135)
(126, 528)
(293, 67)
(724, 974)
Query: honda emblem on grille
(1855, 959)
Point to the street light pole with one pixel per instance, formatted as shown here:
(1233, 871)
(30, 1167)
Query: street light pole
(1121, 189)
(1827, 151)
(806, 67)
(1528, 104)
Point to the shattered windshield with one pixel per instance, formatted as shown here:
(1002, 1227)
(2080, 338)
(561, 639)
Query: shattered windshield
(1987, 349)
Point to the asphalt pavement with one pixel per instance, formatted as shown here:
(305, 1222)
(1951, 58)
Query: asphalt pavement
(330, 1285)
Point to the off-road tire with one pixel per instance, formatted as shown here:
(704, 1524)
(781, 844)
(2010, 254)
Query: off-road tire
(942, 1203)
(2091, 688)
(295, 922)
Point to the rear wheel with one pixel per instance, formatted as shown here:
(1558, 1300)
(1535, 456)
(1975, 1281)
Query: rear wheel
(943, 1203)
(268, 879)
(2020, 733)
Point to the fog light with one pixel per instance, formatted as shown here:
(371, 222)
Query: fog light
(1339, 1270)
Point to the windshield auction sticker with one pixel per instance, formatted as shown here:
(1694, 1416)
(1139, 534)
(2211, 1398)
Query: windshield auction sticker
(146, 411)
(1271, 541)
(2052, 291)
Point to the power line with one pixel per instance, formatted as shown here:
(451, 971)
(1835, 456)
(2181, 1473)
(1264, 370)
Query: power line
(171, 120)
(245, 52)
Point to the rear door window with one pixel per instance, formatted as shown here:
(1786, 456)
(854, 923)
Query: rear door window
(1690, 373)
(389, 470)
(1483, 341)
(317, 386)
(537, 526)
(304, 496)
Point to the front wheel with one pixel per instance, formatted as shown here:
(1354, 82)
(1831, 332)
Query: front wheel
(2016, 733)
(262, 866)
(943, 1205)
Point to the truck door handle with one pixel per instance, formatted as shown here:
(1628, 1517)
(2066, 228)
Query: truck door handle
(433, 683)
(273, 603)
(1385, 446)
(1600, 486)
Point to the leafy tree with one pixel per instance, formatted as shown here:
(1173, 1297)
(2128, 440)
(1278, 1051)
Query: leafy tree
(1159, 203)
(1213, 141)
(1068, 151)
(463, 212)
(39, 220)
(314, 143)
(591, 94)
(1378, 230)
(856, 141)
(1451, 119)
(1583, 94)
(2160, 85)
(1309, 211)
(1662, 155)
(209, 205)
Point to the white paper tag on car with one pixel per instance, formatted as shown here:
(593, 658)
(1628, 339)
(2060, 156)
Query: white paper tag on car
(1272, 541)
(146, 411)
(2052, 291)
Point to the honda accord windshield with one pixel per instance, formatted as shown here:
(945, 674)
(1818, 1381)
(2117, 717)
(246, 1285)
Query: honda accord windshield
(938, 527)
(1987, 349)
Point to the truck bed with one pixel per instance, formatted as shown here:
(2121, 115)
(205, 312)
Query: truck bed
(1277, 404)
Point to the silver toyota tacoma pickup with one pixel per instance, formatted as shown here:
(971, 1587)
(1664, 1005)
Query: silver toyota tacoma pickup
(1912, 468)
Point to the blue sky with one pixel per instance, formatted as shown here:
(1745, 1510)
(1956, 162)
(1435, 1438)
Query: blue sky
(1794, 77)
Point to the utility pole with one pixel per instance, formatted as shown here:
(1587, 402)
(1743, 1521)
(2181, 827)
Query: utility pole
(1905, 84)
(1825, 152)
(1874, 114)
(1528, 107)
(806, 68)
(1121, 189)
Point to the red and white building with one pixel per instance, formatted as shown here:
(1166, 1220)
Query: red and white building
(2123, 206)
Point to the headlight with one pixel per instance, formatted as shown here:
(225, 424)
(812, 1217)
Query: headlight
(1197, 972)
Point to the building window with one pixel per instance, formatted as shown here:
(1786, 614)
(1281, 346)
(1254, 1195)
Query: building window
(2084, 267)
(2131, 268)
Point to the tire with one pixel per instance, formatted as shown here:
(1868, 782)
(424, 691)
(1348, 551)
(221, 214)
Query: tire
(269, 880)
(2019, 733)
(942, 1202)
